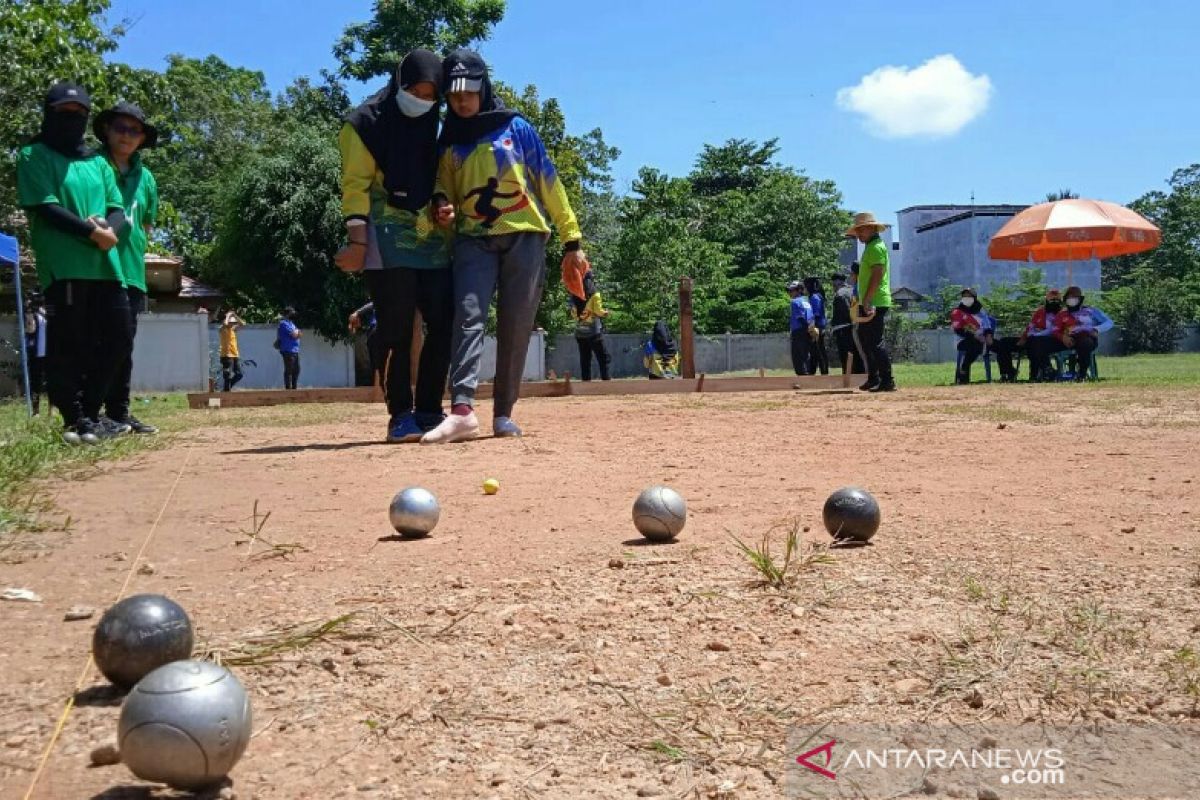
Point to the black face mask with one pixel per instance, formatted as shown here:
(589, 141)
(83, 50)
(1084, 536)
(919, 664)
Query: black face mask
(62, 131)
(1054, 308)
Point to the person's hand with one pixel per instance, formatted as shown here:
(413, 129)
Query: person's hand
(813, 333)
(102, 235)
(354, 323)
(574, 266)
(443, 213)
(352, 257)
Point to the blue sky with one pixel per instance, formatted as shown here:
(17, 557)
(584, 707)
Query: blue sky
(1088, 94)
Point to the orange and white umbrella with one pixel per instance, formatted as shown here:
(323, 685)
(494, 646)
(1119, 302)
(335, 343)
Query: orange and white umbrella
(1073, 230)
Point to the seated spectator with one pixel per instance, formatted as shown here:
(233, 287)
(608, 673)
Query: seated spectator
(976, 331)
(1039, 338)
(661, 355)
(1078, 327)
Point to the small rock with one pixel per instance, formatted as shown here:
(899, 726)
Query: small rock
(147, 569)
(718, 647)
(988, 743)
(348, 650)
(1001, 426)
(14, 741)
(987, 793)
(105, 756)
(616, 563)
(227, 793)
(1130, 529)
(929, 786)
(909, 686)
(627, 773)
(975, 699)
(649, 791)
(76, 613)
(664, 680)
(797, 611)
(539, 725)
(955, 791)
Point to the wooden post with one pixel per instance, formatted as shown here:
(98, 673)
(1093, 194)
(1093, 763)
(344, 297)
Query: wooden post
(414, 352)
(687, 342)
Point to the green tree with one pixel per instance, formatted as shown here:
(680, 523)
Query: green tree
(1150, 310)
(1061, 194)
(945, 299)
(373, 48)
(1013, 304)
(280, 225)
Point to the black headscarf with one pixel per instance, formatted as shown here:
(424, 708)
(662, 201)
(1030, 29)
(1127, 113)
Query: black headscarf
(404, 148)
(662, 340)
(467, 65)
(63, 131)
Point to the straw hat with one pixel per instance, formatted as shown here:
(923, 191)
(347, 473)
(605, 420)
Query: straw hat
(865, 219)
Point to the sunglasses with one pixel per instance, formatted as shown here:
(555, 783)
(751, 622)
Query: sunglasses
(122, 129)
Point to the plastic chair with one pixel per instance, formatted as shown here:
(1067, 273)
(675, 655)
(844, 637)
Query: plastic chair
(986, 357)
(1066, 358)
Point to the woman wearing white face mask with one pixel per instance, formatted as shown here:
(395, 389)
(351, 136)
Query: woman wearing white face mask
(976, 330)
(389, 164)
(1078, 327)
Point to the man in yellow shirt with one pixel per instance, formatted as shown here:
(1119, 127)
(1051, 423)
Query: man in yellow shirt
(231, 370)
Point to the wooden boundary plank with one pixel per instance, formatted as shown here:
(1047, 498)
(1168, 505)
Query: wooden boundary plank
(565, 388)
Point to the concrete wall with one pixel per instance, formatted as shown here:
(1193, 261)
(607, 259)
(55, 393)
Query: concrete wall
(170, 353)
(322, 364)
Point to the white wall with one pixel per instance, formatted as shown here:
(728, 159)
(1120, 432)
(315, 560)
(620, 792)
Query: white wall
(322, 364)
(170, 353)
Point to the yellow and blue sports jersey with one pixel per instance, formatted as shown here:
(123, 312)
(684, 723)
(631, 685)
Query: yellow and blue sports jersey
(406, 238)
(505, 183)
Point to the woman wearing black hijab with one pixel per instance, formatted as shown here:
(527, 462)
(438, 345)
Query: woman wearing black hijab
(76, 211)
(389, 164)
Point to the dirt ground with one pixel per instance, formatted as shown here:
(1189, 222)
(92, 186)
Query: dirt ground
(1039, 560)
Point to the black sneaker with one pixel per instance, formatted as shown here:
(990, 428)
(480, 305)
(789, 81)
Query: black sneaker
(887, 386)
(869, 386)
(137, 426)
(114, 428)
(90, 431)
(72, 435)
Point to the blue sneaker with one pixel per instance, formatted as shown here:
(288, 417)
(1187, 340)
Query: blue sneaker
(404, 428)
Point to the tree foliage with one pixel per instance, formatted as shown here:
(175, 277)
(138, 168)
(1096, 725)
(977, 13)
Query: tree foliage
(373, 48)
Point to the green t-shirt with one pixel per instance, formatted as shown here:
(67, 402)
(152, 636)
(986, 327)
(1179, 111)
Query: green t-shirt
(84, 186)
(875, 254)
(139, 192)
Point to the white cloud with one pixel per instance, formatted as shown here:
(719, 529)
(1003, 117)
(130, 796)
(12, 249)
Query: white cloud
(935, 99)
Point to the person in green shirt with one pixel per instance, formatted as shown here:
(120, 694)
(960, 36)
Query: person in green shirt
(875, 298)
(75, 210)
(124, 132)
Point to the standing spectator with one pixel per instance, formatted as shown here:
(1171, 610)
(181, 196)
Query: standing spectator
(287, 341)
(819, 357)
(1039, 339)
(75, 211)
(801, 327)
(35, 349)
(843, 333)
(491, 153)
(124, 132)
(875, 299)
(1078, 327)
(365, 319)
(589, 329)
(231, 367)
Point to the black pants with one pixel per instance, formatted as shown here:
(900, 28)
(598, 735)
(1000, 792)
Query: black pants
(844, 338)
(37, 381)
(291, 369)
(116, 402)
(870, 336)
(1004, 348)
(589, 346)
(818, 355)
(88, 339)
(801, 351)
(972, 349)
(1085, 345)
(398, 293)
(231, 372)
(1040, 349)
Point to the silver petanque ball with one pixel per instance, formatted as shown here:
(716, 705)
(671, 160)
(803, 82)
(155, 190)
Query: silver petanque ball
(185, 724)
(138, 635)
(414, 512)
(659, 513)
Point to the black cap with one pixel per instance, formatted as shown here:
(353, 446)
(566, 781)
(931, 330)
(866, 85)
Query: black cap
(63, 93)
(464, 71)
(105, 118)
(837, 276)
(420, 66)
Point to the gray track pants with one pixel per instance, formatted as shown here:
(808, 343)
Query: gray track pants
(514, 264)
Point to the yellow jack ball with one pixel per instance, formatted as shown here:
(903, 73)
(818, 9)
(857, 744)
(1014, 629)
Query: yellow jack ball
(491, 486)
